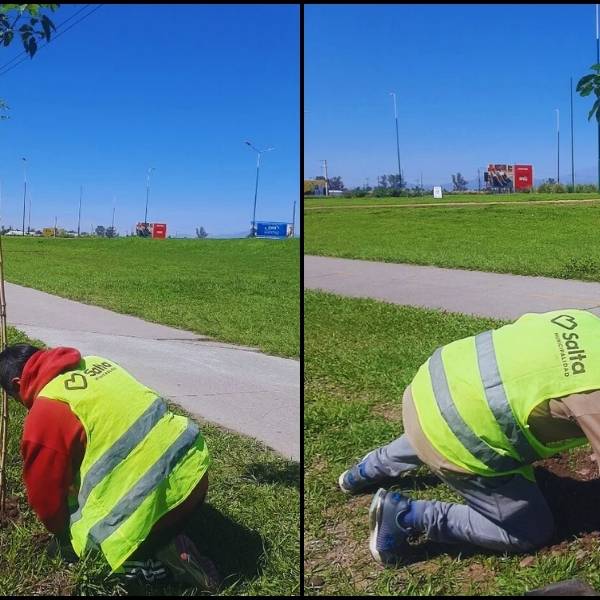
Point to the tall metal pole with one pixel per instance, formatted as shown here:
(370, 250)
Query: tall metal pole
(598, 61)
(557, 145)
(79, 214)
(29, 218)
(24, 190)
(397, 141)
(112, 225)
(572, 145)
(147, 194)
(294, 220)
(326, 178)
(258, 152)
(255, 194)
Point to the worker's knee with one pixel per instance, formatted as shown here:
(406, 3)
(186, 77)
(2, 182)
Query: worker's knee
(536, 536)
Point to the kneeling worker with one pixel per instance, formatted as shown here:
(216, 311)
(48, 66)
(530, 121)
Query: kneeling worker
(479, 412)
(106, 464)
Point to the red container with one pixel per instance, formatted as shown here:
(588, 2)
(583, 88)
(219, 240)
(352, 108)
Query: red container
(159, 230)
(523, 177)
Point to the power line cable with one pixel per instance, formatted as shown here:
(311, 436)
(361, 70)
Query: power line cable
(4, 72)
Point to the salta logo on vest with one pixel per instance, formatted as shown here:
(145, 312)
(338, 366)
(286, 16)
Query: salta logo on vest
(571, 353)
(77, 381)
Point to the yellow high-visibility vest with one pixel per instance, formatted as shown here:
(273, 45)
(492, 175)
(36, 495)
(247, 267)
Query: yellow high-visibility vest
(473, 397)
(140, 462)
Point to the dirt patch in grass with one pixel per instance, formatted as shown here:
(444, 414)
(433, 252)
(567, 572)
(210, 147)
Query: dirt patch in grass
(12, 512)
(571, 485)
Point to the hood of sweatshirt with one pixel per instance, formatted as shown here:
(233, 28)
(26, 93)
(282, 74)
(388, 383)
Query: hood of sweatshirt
(44, 366)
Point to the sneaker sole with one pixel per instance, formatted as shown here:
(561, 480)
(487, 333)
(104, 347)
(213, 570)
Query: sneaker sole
(341, 484)
(374, 514)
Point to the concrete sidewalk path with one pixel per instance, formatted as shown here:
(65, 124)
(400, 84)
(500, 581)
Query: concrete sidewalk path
(471, 292)
(235, 387)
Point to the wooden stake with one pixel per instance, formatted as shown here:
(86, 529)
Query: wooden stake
(4, 412)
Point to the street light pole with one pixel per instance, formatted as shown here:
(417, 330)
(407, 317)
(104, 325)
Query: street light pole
(557, 145)
(147, 194)
(397, 141)
(79, 214)
(24, 190)
(572, 146)
(258, 153)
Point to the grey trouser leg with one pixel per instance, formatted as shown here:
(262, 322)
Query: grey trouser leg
(507, 514)
(391, 460)
(501, 513)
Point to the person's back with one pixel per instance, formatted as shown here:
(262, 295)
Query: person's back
(104, 458)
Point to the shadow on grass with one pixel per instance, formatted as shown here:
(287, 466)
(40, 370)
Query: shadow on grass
(287, 474)
(573, 503)
(236, 550)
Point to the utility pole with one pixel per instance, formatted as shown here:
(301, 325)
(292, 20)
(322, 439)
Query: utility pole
(147, 194)
(112, 225)
(79, 215)
(572, 147)
(557, 145)
(397, 141)
(29, 219)
(324, 165)
(24, 190)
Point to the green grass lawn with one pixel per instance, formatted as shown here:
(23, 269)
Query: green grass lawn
(249, 525)
(556, 241)
(313, 202)
(239, 291)
(359, 357)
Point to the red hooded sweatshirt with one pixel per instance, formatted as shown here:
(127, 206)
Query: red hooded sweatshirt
(53, 441)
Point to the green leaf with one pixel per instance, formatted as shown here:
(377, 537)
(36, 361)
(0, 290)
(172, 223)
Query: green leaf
(594, 109)
(584, 80)
(31, 47)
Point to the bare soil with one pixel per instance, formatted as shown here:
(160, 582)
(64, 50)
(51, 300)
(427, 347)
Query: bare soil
(12, 512)
(571, 486)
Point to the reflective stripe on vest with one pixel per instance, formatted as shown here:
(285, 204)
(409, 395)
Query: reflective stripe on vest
(132, 500)
(497, 400)
(118, 452)
(472, 442)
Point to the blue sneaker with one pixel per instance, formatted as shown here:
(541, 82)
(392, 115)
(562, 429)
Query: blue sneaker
(388, 538)
(354, 480)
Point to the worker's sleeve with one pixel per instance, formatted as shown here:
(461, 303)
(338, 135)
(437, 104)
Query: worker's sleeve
(585, 409)
(52, 448)
(45, 478)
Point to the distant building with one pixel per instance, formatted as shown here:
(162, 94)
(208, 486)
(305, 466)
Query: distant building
(316, 187)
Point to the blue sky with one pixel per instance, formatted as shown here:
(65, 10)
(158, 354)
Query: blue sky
(175, 87)
(475, 84)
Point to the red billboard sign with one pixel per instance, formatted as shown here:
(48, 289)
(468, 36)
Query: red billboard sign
(159, 230)
(523, 175)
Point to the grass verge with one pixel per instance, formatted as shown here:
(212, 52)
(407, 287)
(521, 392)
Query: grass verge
(359, 357)
(239, 291)
(555, 241)
(249, 525)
